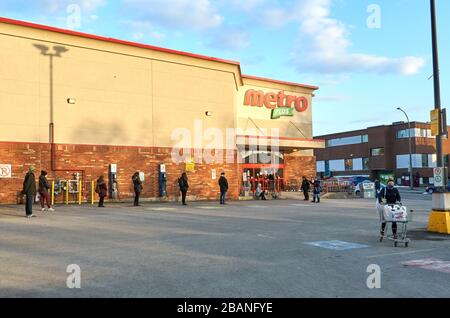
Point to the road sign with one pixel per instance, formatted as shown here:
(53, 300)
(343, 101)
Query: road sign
(439, 177)
(5, 171)
(434, 116)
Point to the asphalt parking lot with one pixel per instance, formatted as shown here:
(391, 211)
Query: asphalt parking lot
(244, 249)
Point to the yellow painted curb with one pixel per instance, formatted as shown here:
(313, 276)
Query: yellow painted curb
(439, 222)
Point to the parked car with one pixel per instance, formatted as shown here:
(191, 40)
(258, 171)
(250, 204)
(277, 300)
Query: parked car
(432, 189)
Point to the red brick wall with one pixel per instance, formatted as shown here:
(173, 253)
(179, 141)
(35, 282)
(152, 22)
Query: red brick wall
(95, 160)
(298, 166)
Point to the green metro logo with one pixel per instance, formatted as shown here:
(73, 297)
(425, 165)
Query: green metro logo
(282, 112)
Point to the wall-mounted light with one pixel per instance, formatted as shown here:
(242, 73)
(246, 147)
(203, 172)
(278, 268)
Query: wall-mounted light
(71, 101)
(208, 113)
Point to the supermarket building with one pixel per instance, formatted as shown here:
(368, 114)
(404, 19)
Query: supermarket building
(76, 104)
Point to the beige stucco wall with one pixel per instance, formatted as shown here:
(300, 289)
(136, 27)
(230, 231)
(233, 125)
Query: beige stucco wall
(125, 95)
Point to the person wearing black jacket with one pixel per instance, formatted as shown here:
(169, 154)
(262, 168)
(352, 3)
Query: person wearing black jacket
(377, 188)
(392, 196)
(44, 186)
(316, 190)
(102, 190)
(184, 186)
(223, 184)
(29, 189)
(137, 185)
(305, 188)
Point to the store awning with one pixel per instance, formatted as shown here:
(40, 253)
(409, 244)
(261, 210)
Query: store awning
(281, 142)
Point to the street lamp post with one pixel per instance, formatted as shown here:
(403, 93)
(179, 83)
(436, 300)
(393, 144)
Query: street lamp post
(411, 180)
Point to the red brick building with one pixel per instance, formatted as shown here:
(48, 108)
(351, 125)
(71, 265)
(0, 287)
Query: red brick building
(381, 151)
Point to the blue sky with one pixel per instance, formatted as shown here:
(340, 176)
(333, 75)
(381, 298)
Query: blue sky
(364, 73)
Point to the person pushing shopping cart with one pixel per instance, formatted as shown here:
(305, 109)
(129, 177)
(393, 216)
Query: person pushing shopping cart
(393, 212)
(392, 197)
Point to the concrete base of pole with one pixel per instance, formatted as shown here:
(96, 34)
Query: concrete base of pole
(440, 215)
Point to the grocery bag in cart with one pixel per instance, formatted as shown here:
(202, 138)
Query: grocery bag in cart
(395, 213)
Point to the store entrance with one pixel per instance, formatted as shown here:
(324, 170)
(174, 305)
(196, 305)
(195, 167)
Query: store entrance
(271, 178)
(265, 168)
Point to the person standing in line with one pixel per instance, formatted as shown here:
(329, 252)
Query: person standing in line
(137, 184)
(29, 189)
(184, 187)
(305, 188)
(44, 186)
(102, 191)
(316, 191)
(223, 184)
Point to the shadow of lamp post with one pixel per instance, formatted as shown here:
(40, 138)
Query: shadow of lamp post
(57, 52)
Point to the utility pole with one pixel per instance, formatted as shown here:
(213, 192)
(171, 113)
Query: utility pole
(437, 92)
(440, 215)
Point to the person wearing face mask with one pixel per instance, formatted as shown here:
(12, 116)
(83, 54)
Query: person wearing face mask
(392, 196)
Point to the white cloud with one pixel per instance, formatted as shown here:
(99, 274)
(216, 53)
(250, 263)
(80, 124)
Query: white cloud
(142, 29)
(324, 43)
(61, 5)
(247, 5)
(198, 15)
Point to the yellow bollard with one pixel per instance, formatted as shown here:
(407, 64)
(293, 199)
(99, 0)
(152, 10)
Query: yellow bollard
(67, 193)
(53, 193)
(93, 193)
(80, 188)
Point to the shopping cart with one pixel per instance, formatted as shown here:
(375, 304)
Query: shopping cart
(402, 223)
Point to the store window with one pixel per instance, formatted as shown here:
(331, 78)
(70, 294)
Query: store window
(375, 152)
(349, 165)
(415, 132)
(425, 163)
(353, 140)
(366, 164)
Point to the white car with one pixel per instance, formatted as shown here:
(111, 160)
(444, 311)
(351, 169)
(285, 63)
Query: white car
(360, 186)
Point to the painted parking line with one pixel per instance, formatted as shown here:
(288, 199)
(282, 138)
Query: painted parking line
(266, 236)
(257, 206)
(210, 207)
(161, 209)
(403, 253)
(302, 205)
(433, 264)
(336, 245)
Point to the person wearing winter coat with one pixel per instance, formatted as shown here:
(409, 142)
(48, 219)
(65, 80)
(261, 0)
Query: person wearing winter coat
(184, 187)
(102, 191)
(43, 188)
(392, 196)
(305, 188)
(29, 189)
(316, 190)
(223, 184)
(137, 185)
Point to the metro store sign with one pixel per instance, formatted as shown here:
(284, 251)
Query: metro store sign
(282, 105)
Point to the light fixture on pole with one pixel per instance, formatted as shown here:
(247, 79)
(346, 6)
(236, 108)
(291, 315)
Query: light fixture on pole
(411, 178)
